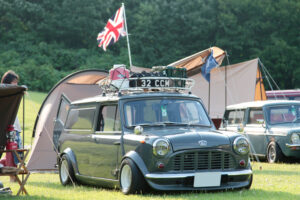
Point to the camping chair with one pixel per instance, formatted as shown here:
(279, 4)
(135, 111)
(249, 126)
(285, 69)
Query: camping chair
(10, 98)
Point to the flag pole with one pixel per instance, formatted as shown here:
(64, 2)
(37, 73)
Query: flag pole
(128, 46)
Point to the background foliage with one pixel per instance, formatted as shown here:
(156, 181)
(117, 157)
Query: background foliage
(44, 40)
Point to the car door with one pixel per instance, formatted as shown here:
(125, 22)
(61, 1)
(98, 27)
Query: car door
(60, 119)
(106, 140)
(255, 131)
(78, 133)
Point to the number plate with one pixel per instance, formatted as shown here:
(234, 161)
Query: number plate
(207, 179)
(154, 83)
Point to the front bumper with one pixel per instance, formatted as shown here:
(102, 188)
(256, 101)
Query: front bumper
(185, 181)
(293, 146)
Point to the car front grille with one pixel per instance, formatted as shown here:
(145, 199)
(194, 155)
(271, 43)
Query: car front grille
(203, 160)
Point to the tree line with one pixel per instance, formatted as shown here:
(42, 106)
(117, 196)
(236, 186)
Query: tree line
(45, 40)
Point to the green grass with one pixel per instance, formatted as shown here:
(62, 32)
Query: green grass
(271, 181)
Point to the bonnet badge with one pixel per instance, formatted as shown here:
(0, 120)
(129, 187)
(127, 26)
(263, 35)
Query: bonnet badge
(202, 143)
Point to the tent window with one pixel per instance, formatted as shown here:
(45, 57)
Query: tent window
(255, 116)
(81, 118)
(109, 119)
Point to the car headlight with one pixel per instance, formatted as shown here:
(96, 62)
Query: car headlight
(241, 145)
(295, 138)
(161, 147)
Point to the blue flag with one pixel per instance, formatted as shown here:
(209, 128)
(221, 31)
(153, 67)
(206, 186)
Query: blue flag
(209, 64)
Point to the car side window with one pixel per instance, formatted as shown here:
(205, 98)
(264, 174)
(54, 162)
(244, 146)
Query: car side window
(255, 116)
(235, 117)
(81, 118)
(109, 118)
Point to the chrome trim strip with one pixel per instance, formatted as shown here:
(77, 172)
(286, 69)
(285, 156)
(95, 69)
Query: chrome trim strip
(97, 178)
(185, 175)
(292, 145)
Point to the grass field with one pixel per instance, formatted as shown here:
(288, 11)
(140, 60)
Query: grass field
(271, 181)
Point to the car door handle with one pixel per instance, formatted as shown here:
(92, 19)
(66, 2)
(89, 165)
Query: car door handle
(117, 143)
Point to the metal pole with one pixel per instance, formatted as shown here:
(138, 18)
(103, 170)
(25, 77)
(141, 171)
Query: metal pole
(129, 52)
(209, 96)
(23, 131)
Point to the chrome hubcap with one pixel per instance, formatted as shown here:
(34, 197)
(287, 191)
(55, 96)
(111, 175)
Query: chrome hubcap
(126, 177)
(272, 153)
(64, 171)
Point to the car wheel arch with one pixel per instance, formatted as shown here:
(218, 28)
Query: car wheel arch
(68, 152)
(135, 157)
(278, 151)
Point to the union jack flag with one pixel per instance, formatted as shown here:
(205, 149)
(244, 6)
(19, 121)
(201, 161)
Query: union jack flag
(113, 29)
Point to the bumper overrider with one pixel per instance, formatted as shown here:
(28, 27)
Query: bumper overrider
(201, 180)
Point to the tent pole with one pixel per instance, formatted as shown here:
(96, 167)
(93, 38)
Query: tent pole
(23, 130)
(23, 120)
(226, 78)
(225, 86)
(209, 97)
(260, 80)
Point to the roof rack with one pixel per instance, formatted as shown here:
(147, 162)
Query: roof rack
(163, 79)
(148, 84)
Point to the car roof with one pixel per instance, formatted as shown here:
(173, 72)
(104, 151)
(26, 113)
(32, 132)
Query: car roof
(115, 97)
(258, 104)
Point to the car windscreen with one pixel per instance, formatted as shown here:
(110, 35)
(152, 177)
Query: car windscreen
(284, 114)
(165, 112)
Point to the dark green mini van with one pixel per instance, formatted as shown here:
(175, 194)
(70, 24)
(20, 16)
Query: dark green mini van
(140, 139)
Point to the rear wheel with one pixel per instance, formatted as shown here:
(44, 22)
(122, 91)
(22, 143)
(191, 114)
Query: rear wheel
(66, 172)
(274, 153)
(131, 179)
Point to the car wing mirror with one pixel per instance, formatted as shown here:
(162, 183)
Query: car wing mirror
(138, 130)
(240, 128)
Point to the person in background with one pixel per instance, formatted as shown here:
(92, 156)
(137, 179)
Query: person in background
(10, 77)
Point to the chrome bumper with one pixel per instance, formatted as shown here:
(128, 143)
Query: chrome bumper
(185, 175)
(293, 146)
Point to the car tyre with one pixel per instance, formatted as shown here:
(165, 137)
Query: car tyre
(66, 172)
(274, 153)
(250, 183)
(130, 178)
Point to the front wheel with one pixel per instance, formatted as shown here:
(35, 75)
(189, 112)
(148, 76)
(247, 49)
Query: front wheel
(250, 183)
(131, 179)
(274, 153)
(66, 172)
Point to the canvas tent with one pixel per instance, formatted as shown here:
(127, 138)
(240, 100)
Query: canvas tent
(242, 81)
(78, 85)
(243, 84)
(228, 85)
